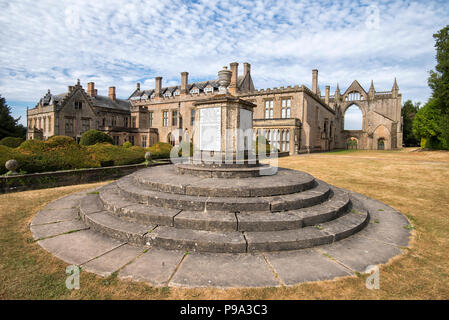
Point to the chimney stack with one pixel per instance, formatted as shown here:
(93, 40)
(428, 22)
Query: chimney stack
(315, 81)
(326, 97)
(246, 68)
(184, 82)
(138, 86)
(234, 78)
(158, 87)
(91, 89)
(112, 93)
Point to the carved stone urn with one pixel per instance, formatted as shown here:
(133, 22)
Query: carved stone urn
(224, 79)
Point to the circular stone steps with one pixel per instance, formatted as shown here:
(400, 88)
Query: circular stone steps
(296, 211)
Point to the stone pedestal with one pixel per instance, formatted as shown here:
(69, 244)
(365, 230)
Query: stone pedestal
(224, 132)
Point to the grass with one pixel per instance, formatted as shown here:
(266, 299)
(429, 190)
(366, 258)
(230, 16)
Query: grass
(415, 183)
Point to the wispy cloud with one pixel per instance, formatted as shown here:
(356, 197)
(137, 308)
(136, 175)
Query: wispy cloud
(49, 44)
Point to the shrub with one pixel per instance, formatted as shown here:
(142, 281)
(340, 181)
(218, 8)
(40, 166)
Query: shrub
(263, 141)
(58, 141)
(105, 153)
(160, 150)
(127, 144)
(92, 137)
(185, 145)
(12, 142)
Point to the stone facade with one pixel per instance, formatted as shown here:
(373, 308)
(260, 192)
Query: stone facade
(294, 119)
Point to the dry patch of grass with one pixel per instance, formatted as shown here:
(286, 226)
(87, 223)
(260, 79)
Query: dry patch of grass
(415, 183)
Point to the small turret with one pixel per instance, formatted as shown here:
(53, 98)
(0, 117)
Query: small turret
(395, 89)
(371, 91)
(337, 93)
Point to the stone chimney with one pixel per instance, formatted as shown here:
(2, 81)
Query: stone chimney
(112, 93)
(138, 86)
(246, 68)
(234, 78)
(326, 97)
(96, 92)
(315, 81)
(91, 89)
(184, 82)
(158, 88)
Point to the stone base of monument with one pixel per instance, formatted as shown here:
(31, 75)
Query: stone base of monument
(201, 230)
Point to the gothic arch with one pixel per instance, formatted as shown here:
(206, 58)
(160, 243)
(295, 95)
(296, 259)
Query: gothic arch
(362, 109)
(382, 133)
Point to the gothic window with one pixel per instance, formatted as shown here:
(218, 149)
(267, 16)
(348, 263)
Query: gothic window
(208, 89)
(78, 105)
(144, 141)
(171, 139)
(285, 108)
(150, 115)
(192, 117)
(195, 90)
(174, 118)
(133, 122)
(268, 109)
(165, 118)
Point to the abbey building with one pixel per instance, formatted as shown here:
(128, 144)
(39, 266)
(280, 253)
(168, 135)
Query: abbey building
(294, 119)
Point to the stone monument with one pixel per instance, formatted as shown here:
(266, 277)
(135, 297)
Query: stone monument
(218, 221)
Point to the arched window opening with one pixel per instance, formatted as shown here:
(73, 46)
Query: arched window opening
(352, 143)
(353, 95)
(381, 144)
(353, 119)
(171, 139)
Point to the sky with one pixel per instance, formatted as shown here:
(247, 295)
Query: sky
(49, 44)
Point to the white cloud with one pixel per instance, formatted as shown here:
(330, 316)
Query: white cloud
(49, 44)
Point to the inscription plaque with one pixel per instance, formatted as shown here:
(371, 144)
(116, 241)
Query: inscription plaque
(210, 129)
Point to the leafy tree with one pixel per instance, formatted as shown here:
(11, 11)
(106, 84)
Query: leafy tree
(9, 127)
(408, 113)
(431, 123)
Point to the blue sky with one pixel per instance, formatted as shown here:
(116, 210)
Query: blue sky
(49, 44)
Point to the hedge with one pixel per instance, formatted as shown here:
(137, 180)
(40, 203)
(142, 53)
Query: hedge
(63, 153)
(12, 142)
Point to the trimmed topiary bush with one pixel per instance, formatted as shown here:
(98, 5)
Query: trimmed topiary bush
(60, 141)
(92, 137)
(12, 142)
(127, 144)
(104, 153)
(160, 150)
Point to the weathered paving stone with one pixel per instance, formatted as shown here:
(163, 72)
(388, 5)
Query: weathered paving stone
(53, 229)
(112, 261)
(79, 247)
(298, 266)
(358, 252)
(55, 215)
(225, 271)
(155, 266)
(68, 202)
(209, 221)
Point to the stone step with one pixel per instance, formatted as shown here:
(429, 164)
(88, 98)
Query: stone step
(111, 200)
(131, 210)
(131, 189)
(197, 240)
(225, 172)
(337, 205)
(165, 179)
(117, 228)
(225, 241)
(307, 237)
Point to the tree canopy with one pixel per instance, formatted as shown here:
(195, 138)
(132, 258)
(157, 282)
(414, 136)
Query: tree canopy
(431, 123)
(9, 127)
